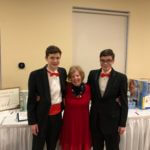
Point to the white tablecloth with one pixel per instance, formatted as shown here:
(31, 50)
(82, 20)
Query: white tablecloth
(137, 135)
(17, 135)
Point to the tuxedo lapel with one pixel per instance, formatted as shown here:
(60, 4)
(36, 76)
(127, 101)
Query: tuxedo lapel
(97, 76)
(61, 79)
(109, 83)
(46, 84)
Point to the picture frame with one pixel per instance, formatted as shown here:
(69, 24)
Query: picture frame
(9, 98)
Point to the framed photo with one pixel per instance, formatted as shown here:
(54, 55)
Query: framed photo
(9, 98)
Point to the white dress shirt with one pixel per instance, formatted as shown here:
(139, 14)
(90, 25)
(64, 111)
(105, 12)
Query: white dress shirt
(55, 89)
(103, 82)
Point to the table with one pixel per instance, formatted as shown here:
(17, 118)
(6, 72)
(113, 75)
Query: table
(137, 133)
(17, 135)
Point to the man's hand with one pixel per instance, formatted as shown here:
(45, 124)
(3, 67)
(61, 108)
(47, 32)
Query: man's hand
(121, 130)
(34, 129)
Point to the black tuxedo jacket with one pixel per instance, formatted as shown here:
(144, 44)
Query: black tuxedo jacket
(111, 109)
(39, 99)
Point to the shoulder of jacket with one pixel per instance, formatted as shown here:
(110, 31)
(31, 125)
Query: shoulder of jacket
(121, 74)
(34, 72)
(94, 71)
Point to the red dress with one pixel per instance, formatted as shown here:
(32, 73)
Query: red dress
(75, 134)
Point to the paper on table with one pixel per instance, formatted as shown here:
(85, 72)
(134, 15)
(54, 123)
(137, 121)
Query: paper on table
(22, 116)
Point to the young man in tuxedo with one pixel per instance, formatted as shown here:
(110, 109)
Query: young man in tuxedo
(109, 106)
(46, 91)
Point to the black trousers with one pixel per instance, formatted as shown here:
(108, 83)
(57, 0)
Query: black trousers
(53, 131)
(111, 141)
(100, 138)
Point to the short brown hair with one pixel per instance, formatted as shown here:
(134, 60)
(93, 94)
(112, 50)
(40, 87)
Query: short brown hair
(76, 68)
(107, 52)
(52, 49)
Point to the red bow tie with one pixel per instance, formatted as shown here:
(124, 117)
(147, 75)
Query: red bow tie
(104, 75)
(53, 73)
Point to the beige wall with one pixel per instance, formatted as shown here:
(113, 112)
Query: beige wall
(28, 27)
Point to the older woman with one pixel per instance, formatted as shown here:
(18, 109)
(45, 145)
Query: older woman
(75, 133)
